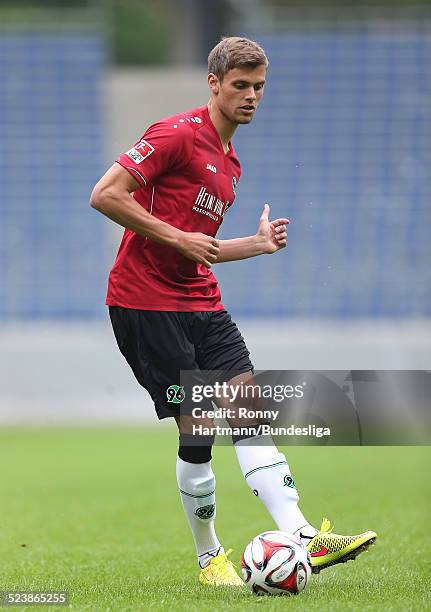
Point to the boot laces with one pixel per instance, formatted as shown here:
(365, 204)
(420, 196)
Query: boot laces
(326, 526)
(226, 566)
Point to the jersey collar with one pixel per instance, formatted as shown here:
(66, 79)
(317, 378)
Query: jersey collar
(213, 128)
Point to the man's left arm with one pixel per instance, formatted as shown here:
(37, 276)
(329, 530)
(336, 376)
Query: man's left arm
(271, 236)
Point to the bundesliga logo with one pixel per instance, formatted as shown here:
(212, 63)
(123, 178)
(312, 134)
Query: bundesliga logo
(140, 151)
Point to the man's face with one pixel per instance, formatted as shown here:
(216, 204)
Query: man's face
(240, 92)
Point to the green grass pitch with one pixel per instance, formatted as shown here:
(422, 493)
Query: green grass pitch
(96, 512)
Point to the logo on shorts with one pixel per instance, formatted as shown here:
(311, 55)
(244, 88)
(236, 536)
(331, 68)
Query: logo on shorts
(175, 394)
(205, 512)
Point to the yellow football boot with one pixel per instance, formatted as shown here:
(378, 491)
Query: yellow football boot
(328, 548)
(220, 572)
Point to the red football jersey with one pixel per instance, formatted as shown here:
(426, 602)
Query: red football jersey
(189, 182)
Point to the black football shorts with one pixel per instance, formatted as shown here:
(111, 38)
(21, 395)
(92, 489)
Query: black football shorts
(158, 345)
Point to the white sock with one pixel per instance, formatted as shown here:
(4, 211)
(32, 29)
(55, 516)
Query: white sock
(196, 482)
(268, 475)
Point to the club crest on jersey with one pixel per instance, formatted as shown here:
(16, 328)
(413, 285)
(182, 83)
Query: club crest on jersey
(140, 151)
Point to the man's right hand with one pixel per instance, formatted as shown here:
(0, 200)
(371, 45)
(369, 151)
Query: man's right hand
(199, 247)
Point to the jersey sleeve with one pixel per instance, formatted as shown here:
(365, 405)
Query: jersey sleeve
(164, 147)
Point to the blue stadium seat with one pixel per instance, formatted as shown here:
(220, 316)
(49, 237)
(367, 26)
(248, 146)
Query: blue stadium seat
(341, 145)
(52, 247)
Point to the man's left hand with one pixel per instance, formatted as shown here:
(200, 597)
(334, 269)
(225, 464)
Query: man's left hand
(273, 234)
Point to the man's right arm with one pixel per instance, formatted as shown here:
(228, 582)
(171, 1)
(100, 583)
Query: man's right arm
(112, 196)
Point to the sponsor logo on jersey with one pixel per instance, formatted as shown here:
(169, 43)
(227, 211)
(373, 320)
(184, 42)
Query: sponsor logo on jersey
(208, 204)
(212, 168)
(140, 151)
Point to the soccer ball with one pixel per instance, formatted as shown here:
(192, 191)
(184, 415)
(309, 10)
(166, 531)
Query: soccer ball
(276, 563)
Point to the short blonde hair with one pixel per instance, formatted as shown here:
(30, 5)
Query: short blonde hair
(232, 52)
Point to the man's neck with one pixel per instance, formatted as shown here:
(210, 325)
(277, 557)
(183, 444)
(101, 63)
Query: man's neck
(225, 128)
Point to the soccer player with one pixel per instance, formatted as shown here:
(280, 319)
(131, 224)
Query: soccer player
(170, 192)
